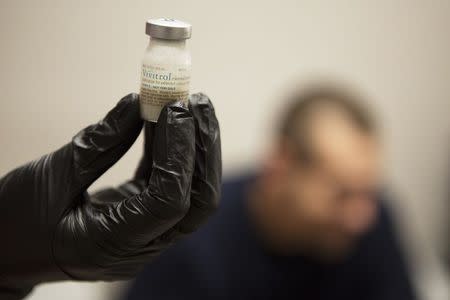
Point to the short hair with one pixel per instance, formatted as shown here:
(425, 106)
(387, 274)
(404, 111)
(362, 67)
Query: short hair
(294, 121)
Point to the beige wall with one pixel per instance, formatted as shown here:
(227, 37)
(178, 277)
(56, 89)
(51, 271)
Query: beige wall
(63, 64)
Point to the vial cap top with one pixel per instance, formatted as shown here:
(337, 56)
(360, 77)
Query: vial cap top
(168, 29)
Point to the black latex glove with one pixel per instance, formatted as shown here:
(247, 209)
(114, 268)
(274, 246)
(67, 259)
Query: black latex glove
(51, 229)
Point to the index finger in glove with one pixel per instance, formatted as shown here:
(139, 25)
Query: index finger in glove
(166, 199)
(207, 176)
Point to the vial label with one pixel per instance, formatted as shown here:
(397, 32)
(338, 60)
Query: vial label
(160, 85)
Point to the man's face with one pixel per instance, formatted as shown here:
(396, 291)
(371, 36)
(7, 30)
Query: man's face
(331, 198)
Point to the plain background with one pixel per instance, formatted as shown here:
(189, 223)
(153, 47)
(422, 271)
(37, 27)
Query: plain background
(64, 64)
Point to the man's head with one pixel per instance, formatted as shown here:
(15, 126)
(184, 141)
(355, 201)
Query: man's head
(323, 173)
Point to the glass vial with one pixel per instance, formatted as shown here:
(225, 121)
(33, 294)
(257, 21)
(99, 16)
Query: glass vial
(166, 67)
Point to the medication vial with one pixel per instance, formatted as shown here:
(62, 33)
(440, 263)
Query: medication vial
(166, 67)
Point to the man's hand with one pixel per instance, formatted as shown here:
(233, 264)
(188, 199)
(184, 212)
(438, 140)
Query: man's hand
(52, 229)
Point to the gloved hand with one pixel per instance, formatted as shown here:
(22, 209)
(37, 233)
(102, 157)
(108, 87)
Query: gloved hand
(52, 229)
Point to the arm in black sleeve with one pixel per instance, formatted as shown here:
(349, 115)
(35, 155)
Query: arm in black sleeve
(171, 276)
(390, 278)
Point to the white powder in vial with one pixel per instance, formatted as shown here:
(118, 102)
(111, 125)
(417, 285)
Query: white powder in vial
(166, 67)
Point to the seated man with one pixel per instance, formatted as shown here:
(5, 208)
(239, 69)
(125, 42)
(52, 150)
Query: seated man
(311, 224)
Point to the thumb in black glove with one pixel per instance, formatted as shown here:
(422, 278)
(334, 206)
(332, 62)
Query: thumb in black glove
(51, 229)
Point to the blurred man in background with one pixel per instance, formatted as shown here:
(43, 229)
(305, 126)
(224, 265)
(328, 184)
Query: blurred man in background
(311, 224)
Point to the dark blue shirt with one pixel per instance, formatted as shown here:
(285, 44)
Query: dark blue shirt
(225, 260)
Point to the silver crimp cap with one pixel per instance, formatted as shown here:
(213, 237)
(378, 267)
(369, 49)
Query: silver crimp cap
(168, 29)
